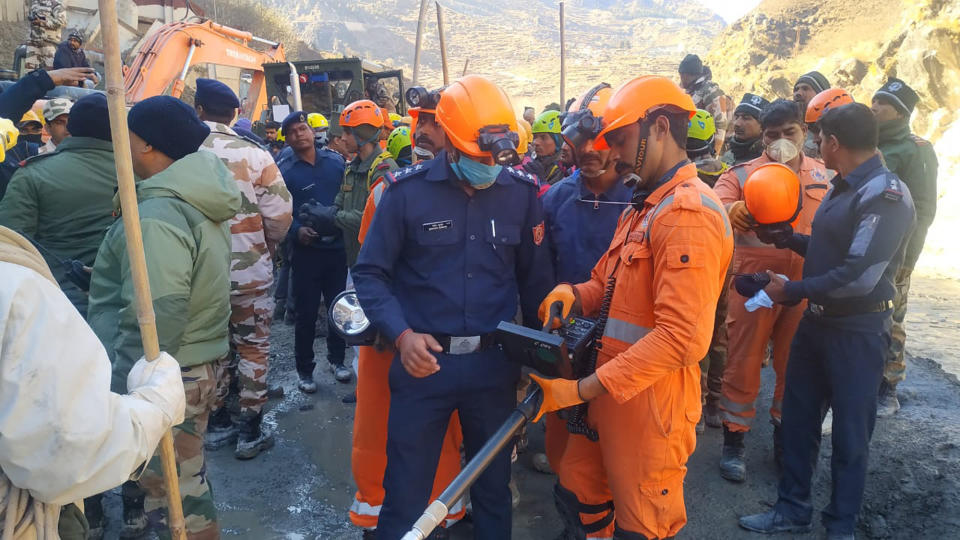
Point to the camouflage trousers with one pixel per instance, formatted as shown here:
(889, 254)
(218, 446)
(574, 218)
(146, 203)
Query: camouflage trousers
(200, 515)
(39, 55)
(242, 381)
(895, 367)
(713, 364)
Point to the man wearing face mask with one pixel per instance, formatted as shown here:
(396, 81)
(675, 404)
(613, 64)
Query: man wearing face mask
(748, 333)
(453, 243)
(654, 293)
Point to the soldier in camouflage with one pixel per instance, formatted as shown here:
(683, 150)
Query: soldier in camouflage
(256, 230)
(697, 80)
(47, 18)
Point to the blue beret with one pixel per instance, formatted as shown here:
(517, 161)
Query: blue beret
(89, 117)
(215, 94)
(293, 118)
(243, 123)
(169, 125)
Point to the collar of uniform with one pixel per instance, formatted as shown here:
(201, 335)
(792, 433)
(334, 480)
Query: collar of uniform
(610, 194)
(440, 170)
(217, 127)
(363, 166)
(73, 143)
(679, 174)
(864, 172)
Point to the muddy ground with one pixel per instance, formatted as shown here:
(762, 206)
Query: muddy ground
(302, 488)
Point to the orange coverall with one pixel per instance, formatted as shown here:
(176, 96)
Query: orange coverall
(748, 334)
(369, 455)
(673, 256)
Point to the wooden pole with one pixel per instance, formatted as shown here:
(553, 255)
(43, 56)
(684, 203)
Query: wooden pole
(146, 318)
(563, 62)
(466, 64)
(421, 22)
(443, 45)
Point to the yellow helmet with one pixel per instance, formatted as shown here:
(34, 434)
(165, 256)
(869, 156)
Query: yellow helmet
(395, 119)
(8, 137)
(317, 121)
(32, 116)
(280, 137)
(526, 135)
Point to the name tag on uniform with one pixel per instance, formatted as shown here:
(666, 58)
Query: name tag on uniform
(437, 225)
(636, 236)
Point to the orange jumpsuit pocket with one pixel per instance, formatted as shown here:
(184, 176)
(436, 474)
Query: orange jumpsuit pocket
(662, 512)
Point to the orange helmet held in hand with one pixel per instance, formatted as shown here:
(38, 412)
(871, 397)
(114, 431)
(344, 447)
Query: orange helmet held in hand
(474, 111)
(634, 99)
(772, 194)
(830, 98)
(362, 112)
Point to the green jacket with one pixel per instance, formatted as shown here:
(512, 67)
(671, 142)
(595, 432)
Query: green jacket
(64, 201)
(352, 199)
(184, 214)
(914, 161)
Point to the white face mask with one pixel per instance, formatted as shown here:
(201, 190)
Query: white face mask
(782, 150)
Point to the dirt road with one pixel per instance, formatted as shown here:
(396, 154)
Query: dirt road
(302, 488)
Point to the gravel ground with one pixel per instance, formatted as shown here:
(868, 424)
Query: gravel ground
(302, 488)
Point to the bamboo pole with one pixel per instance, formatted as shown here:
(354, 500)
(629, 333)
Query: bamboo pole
(443, 45)
(421, 22)
(131, 223)
(563, 62)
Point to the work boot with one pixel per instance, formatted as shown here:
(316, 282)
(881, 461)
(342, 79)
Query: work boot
(341, 373)
(290, 318)
(220, 430)
(134, 517)
(732, 466)
(700, 425)
(307, 385)
(711, 415)
(349, 398)
(772, 521)
(541, 464)
(887, 404)
(778, 445)
(93, 511)
(252, 439)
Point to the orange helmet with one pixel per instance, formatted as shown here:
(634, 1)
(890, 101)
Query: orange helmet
(473, 109)
(634, 99)
(362, 112)
(525, 133)
(584, 117)
(599, 97)
(387, 122)
(772, 194)
(828, 99)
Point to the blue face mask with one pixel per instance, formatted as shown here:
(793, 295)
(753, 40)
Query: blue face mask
(478, 175)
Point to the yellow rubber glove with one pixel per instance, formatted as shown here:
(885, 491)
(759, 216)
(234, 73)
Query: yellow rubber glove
(557, 394)
(562, 293)
(8, 136)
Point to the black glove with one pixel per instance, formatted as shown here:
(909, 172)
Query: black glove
(750, 284)
(778, 235)
(318, 217)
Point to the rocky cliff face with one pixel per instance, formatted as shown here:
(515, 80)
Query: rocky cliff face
(517, 43)
(858, 45)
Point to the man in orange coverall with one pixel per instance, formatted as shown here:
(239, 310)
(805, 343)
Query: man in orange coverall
(369, 456)
(657, 288)
(748, 334)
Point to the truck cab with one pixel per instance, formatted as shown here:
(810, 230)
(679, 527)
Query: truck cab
(327, 86)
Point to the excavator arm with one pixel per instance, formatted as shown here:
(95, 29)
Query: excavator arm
(163, 62)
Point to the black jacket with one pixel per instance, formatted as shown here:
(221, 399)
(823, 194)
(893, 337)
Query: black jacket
(66, 57)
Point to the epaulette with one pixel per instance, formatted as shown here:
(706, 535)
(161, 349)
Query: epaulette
(893, 190)
(524, 176)
(407, 172)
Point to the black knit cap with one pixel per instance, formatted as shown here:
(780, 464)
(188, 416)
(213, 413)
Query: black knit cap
(89, 117)
(691, 64)
(815, 79)
(752, 105)
(169, 125)
(896, 93)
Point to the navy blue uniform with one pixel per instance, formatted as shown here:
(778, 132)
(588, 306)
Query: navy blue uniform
(437, 260)
(836, 357)
(319, 269)
(580, 225)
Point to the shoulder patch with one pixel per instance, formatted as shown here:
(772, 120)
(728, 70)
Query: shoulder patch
(402, 174)
(523, 176)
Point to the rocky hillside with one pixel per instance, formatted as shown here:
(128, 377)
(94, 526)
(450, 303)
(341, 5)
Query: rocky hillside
(857, 45)
(515, 42)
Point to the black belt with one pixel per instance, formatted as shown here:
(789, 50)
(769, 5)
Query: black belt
(464, 344)
(845, 310)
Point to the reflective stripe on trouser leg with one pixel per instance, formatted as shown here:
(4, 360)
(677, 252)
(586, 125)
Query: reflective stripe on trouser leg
(895, 368)
(200, 514)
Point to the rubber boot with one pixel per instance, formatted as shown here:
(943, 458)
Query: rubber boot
(134, 517)
(93, 511)
(711, 414)
(778, 445)
(252, 438)
(732, 466)
(221, 430)
(887, 403)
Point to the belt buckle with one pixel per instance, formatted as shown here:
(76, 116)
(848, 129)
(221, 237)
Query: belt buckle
(464, 345)
(816, 309)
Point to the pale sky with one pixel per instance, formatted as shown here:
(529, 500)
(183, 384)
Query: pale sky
(730, 10)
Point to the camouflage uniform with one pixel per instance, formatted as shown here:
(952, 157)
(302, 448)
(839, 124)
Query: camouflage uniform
(47, 18)
(359, 175)
(200, 515)
(708, 96)
(262, 222)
